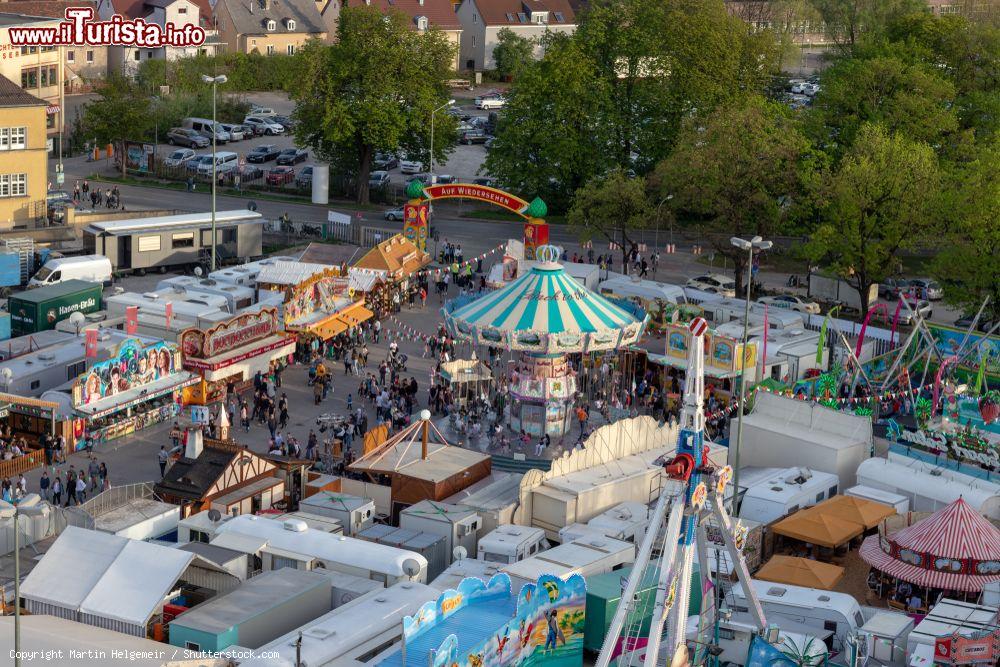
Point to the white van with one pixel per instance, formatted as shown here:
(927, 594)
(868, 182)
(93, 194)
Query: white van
(207, 128)
(95, 268)
(225, 161)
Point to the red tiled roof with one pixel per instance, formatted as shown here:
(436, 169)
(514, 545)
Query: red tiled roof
(55, 9)
(134, 9)
(495, 12)
(439, 13)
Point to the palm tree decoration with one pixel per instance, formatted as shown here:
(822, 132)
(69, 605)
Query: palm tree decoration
(863, 412)
(806, 654)
(922, 411)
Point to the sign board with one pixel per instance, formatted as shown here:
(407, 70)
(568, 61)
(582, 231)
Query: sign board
(415, 224)
(133, 365)
(200, 414)
(478, 192)
(338, 218)
(229, 335)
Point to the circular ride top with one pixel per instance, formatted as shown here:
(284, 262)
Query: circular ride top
(545, 311)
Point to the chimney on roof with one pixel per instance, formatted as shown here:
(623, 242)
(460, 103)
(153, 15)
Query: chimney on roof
(420, 2)
(194, 445)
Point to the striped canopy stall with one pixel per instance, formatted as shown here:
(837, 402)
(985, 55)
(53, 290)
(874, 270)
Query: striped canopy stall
(545, 311)
(955, 548)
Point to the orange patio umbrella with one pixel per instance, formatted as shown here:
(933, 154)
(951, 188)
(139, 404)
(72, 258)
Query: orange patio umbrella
(800, 572)
(858, 510)
(814, 527)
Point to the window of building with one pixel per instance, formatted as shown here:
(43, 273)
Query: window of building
(13, 185)
(510, 17)
(90, 56)
(270, 49)
(25, 50)
(29, 78)
(475, 18)
(18, 138)
(271, 25)
(74, 371)
(182, 10)
(559, 17)
(71, 56)
(473, 41)
(136, 54)
(522, 17)
(149, 243)
(192, 646)
(47, 49)
(819, 496)
(182, 240)
(149, 54)
(50, 121)
(290, 24)
(421, 23)
(538, 17)
(291, 49)
(35, 384)
(229, 235)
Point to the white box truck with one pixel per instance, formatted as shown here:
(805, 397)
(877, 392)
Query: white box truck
(825, 288)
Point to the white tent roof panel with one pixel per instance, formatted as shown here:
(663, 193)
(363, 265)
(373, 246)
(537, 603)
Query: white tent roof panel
(72, 567)
(135, 584)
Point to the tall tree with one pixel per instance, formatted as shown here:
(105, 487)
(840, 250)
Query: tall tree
(745, 169)
(611, 207)
(968, 265)
(847, 21)
(911, 98)
(120, 113)
(374, 90)
(881, 200)
(512, 52)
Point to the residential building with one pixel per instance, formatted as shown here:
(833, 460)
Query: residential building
(268, 26)
(39, 69)
(800, 25)
(482, 20)
(23, 156)
(423, 15)
(126, 59)
(329, 10)
(82, 65)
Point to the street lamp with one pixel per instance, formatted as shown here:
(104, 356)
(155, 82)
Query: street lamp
(434, 113)
(759, 244)
(215, 81)
(663, 201)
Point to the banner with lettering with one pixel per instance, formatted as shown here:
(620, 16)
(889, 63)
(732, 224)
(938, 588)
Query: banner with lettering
(452, 600)
(133, 365)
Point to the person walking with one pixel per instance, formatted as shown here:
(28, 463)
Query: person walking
(102, 472)
(93, 470)
(44, 484)
(81, 488)
(317, 391)
(162, 457)
(57, 489)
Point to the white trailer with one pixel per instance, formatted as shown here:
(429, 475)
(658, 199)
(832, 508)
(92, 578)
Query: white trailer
(833, 617)
(457, 524)
(894, 500)
(585, 557)
(510, 544)
(927, 488)
(785, 492)
(354, 513)
(825, 288)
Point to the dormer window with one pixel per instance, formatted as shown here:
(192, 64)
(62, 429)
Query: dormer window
(271, 25)
(539, 17)
(289, 24)
(421, 23)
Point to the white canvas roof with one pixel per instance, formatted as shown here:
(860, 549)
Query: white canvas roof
(58, 636)
(808, 422)
(135, 584)
(105, 575)
(286, 271)
(72, 567)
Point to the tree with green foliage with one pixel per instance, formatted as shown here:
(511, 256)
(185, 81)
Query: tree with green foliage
(630, 74)
(745, 169)
(968, 264)
(512, 52)
(911, 98)
(549, 141)
(611, 207)
(848, 21)
(374, 90)
(882, 199)
(120, 113)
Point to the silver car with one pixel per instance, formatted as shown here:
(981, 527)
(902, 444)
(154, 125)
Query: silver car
(927, 289)
(236, 132)
(178, 157)
(918, 307)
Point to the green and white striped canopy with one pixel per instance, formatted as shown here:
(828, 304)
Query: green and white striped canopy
(545, 310)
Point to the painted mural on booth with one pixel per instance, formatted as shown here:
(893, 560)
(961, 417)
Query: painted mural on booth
(546, 628)
(133, 365)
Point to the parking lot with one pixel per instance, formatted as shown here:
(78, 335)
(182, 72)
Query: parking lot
(463, 164)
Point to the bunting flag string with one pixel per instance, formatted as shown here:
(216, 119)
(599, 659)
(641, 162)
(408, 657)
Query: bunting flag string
(461, 265)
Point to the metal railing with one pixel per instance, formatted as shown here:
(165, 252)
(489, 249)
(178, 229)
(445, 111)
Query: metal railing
(117, 496)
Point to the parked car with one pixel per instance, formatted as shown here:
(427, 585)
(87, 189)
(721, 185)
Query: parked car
(394, 214)
(257, 110)
(445, 179)
(473, 137)
(182, 136)
(411, 166)
(292, 156)
(797, 87)
(385, 161)
(378, 179)
(423, 178)
(284, 121)
(810, 89)
(984, 324)
(249, 172)
(919, 306)
(791, 302)
(304, 178)
(890, 288)
(490, 102)
(927, 289)
(236, 132)
(264, 153)
(194, 165)
(264, 125)
(178, 157)
(280, 176)
(716, 283)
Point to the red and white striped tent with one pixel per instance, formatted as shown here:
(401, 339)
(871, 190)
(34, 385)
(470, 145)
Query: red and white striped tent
(955, 548)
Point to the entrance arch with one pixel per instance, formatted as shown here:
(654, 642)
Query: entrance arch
(415, 225)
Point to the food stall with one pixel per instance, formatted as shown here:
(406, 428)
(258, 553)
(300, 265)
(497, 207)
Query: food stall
(396, 260)
(140, 385)
(233, 351)
(322, 307)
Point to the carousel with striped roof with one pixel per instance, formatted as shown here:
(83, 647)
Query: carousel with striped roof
(545, 315)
